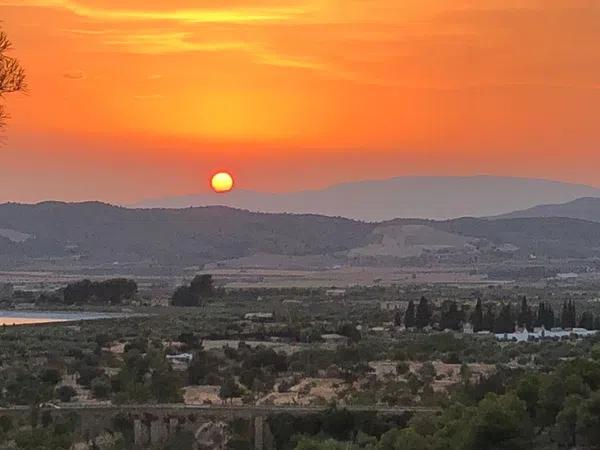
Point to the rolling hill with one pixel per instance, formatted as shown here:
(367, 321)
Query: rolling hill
(103, 233)
(423, 197)
(94, 233)
(587, 208)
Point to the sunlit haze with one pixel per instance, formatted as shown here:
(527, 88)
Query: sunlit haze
(134, 99)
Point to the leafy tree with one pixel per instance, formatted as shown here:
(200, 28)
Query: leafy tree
(405, 439)
(427, 372)
(595, 352)
(229, 389)
(423, 315)
(528, 390)
(265, 358)
(202, 286)
(203, 364)
(101, 388)
(193, 294)
(350, 331)
(51, 376)
(565, 428)
(165, 384)
(43, 439)
(183, 296)
(499, 422)
(551, 398)
(112, 291)
(66, 393)
(12, 75)
(588, 420)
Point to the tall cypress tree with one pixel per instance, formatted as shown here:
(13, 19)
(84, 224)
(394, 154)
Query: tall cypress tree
(451, 317)
(549, 317)
(525, 317)
(564, 315)
(409, 315)
(489, 319)
(545, 316)
(541, 314)
(572, 315)
(423, 316)
(568, 318)
(505, 322)
(477, 317)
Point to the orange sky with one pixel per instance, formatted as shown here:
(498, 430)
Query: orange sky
(130, 99)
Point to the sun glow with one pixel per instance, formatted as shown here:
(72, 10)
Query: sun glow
(222, 182)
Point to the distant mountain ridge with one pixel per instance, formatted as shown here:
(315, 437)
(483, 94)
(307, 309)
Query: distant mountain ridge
(422, 197)
(93, 234)
(102, 233)
(587, 208)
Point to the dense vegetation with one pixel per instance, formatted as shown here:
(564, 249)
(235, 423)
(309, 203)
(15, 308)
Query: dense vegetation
(521, 410)
(528, 396)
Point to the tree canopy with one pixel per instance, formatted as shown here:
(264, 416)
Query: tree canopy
(12, 75)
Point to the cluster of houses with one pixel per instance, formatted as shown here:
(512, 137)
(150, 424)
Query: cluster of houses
(540, 333)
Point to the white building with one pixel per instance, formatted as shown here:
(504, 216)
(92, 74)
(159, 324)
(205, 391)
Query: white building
(523, 335)
(258, 316)
(180, 361)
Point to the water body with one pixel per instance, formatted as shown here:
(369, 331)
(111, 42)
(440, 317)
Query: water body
(35, 317)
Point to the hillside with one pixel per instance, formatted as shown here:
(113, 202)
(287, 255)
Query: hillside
(103, 233)
(587, 208)
(424, 197)
(92, 234)
(554, 237)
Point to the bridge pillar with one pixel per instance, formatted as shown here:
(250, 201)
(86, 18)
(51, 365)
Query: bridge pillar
(259, 426)
(263, 439)
(158, 431)
(173, 425)
(140, 433)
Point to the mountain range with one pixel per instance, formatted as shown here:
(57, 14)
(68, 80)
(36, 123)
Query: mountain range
(587, 208)
(421, 197)
(92, 233)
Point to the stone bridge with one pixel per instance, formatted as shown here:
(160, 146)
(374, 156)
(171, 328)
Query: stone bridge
(152, 424)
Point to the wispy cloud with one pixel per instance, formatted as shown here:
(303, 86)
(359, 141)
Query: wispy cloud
(184, 15)
(274, 59)
(168, 42)
(159, 42)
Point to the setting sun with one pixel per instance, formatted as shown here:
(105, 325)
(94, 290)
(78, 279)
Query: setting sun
(222, 182)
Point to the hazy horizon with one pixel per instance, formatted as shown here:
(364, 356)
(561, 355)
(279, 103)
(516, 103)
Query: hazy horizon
(148, 100)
